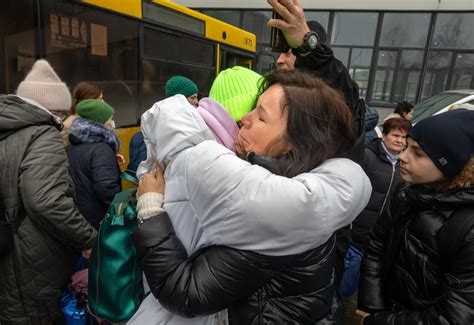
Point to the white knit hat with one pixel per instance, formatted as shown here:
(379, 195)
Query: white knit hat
(43, 85)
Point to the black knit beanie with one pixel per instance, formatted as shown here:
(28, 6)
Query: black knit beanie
(448, 139)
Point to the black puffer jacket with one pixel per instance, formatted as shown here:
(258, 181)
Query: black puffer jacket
(256, 289)
(94, 169)
(35, 185)
(384, 178)
(416, 290)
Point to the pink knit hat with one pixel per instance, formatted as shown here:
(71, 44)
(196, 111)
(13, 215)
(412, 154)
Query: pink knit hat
(219, 121)
(43, 85)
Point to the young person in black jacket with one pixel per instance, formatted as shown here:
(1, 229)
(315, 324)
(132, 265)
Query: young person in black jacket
(419, 266)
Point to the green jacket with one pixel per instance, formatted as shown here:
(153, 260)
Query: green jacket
(35, 183)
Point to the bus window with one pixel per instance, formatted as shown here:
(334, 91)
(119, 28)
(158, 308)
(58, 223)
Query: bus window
(197, 51)
(156, 73)
(93, 45)
(18, 49)
(160, 45)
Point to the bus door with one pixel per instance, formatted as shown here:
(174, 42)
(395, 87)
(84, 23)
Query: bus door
(230, 57)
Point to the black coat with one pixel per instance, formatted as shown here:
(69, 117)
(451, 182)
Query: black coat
(96, 176)
(416, 290)
(384, 178)
(256, 289)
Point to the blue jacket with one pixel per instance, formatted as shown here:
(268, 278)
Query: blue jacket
(94, 168)
(137, 151)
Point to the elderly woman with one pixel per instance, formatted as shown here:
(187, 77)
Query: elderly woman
(235, 235)
(382, 165)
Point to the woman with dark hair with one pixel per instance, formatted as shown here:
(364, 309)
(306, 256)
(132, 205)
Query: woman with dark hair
(405, 110)
(235, 235)
(83, 90)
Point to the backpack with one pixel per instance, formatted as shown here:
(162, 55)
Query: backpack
(115, 275)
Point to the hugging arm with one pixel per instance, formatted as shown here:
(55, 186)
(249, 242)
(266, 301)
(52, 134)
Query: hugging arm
(210, 280)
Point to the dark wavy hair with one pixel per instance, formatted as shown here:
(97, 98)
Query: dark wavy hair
(403, 108)
(320, 124)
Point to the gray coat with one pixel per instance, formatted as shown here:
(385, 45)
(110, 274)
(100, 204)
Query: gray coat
(35, 183)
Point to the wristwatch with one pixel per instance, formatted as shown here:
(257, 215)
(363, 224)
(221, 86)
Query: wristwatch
(310, 41)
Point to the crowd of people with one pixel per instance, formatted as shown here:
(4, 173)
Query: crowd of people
(266, 203)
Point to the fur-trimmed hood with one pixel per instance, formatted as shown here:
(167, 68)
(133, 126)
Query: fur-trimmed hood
(87, 131)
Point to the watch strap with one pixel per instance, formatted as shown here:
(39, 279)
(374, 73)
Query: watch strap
(304, 49)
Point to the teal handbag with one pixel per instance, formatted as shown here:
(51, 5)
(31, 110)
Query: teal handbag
(115, 275)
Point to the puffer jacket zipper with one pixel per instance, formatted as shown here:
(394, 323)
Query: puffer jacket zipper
(388, 190)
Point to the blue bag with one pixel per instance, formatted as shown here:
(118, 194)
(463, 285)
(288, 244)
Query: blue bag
(351, 276)
(74, 303)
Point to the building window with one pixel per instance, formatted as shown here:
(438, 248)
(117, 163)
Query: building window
(359, 68)
(384, 74)
(437, 72)
(321, 17)
(454, 31)
(408, 76)
(256, 22)
(405, 30)
(463, 74)
(342, 54)
(354, 28)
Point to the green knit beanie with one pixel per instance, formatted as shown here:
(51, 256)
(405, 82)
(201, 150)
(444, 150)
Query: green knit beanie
(236, 89)
(180, 85)
(94, 110)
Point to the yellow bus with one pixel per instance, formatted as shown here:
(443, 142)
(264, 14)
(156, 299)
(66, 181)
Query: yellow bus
(130, 48)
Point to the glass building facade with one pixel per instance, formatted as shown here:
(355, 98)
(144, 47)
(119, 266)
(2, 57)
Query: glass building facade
(393, 56)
